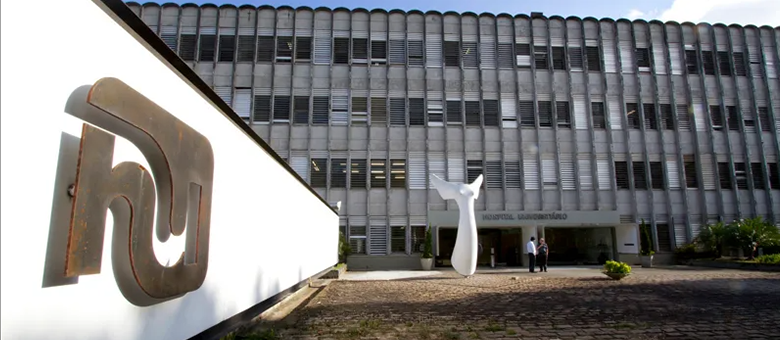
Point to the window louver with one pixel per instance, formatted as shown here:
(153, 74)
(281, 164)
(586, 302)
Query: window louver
(416, 170)
(168, 36)
(301, 110)
(580, 113)
(359, 113)
(357, 238)
(610, 60)
(339, 108)
(724, 175)
(207, 47)
(433, 50)
(493, 175)
(575, 58)
(531, 172)
(357, 173)
(487, 52)
(378, 173)
(508, 111)
(379, 111)
(416, 111)
(512, 173)
(615, 113)
(281, 109)
(505, 55)
(673, 173)
(436, 166)
(567, 172)
(527, 116)
(243, 103)
(549, 174)
(322, 47)
(319, 172)
(398, 173)
(265, 49)
(563, 115)
(455, 166)
(597, 114)
(397, 111)
(490, 107)
(605, 175)
(397, 51)
(683, 117)
(262, 108)
(586, 174)
(472, 113)
(319, 115)
(187, 46)
(303, 48)
(545, 113)
(225, 93)
(454, 112)
(469, 53)
(227, 47)
(301, 166)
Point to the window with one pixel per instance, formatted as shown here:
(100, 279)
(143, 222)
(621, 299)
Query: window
(490, 109)
(651, 119)
(323, 47)
(724, 63)
(774, 175)
(378, 52)
(415, 53)
(732, 118)
(246, 48)
(338, 173)
(740, 173)
(418, 238)
(452, 53)
(284, 49)
(545, 114)
(378, 173)
(549, 174)
(377, 235)
(397, 239)
(493, 175)
(667, 117)
(187, 47)
(594, 58)
(469, 55)
(541, 57)
(359, 110)
(379, 111)
(301, 110)
(717, 117)
(207, 42)
(708, 61)
(454, 114)
(691, 62)
(357, 173)
(763, 118)
(559, 58)
(262, 111)
(472, 114)
(302, 48)
(473, 170)
(724, 175)
(621, 175)
(575, 58)
(632, 115)
(227, 47)
(359, 50)
(689, 166)
(341, 50)
(512, 174)
(397, 173)
(435, 113)
(604, 174)
(319, 114)
(357, 239)
(265, 49)
(523, 55)
(281, 108)
(416, 111)
(657, 175)
(739, 64)
(597, 112)
(397, 111)
(683, 117)
(397, 52)
(567, 172)
(563, 114)
(505, 55)
(527, 117)
(758, 176)
(640, 181)
(243, 102)
(339, 107)
(664, 237)
(319, 168)
(643, 58)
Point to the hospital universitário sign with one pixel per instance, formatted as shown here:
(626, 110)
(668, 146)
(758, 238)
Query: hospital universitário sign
(521, 218)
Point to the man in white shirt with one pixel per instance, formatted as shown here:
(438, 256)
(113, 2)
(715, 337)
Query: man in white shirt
(531, 250)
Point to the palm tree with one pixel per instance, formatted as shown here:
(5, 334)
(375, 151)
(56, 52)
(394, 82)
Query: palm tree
(713, 237)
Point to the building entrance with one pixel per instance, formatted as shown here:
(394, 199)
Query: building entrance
(506, 243)
(580, 246)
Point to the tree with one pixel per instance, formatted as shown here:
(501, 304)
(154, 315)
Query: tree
(645, 240)
(344, 248)
(713, 237)
(428, 246)
(749, 233)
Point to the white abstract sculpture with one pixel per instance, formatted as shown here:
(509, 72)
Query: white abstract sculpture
(464, 256)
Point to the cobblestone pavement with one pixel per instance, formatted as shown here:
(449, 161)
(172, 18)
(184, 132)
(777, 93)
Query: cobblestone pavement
(649, 304)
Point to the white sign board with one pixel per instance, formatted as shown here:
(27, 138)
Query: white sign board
(255, 229)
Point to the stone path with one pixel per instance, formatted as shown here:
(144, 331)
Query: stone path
(649, 304)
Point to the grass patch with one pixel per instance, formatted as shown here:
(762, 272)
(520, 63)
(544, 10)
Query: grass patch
(494, 327)
(511, 332)
(339, 266)
(474, 335)
(451, 335)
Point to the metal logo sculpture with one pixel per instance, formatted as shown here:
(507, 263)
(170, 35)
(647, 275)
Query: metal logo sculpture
(182, 162)
(464, 256)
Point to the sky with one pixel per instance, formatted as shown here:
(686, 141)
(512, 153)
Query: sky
(743, 12)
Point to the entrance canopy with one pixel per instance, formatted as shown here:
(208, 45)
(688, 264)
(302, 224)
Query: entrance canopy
(560, 218)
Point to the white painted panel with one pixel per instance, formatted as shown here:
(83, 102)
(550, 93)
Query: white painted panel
(94, 308)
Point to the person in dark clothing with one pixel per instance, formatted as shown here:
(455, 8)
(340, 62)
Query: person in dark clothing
(542, 251)
(531, 250)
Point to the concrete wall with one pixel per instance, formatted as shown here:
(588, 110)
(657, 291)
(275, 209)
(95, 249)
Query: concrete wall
(268, 230)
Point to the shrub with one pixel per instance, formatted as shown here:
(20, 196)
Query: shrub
(713, 237)
(428, 247)
(344, 248)
(769, 259)
(645, 240)
(617, 267)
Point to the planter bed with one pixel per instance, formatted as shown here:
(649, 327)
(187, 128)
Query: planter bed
(736, 264)
(336, 272)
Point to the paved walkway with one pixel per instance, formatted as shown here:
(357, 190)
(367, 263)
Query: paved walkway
(564, 303)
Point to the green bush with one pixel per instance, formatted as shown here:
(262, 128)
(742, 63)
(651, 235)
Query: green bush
(617, 267)
(645, 240)
(769, 259)
(344, 248)
(428, 247)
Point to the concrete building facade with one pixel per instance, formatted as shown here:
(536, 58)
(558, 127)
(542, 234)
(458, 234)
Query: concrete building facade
(581, 127)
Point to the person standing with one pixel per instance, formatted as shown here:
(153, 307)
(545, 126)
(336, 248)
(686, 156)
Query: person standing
(531, 249)
(543, 251)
